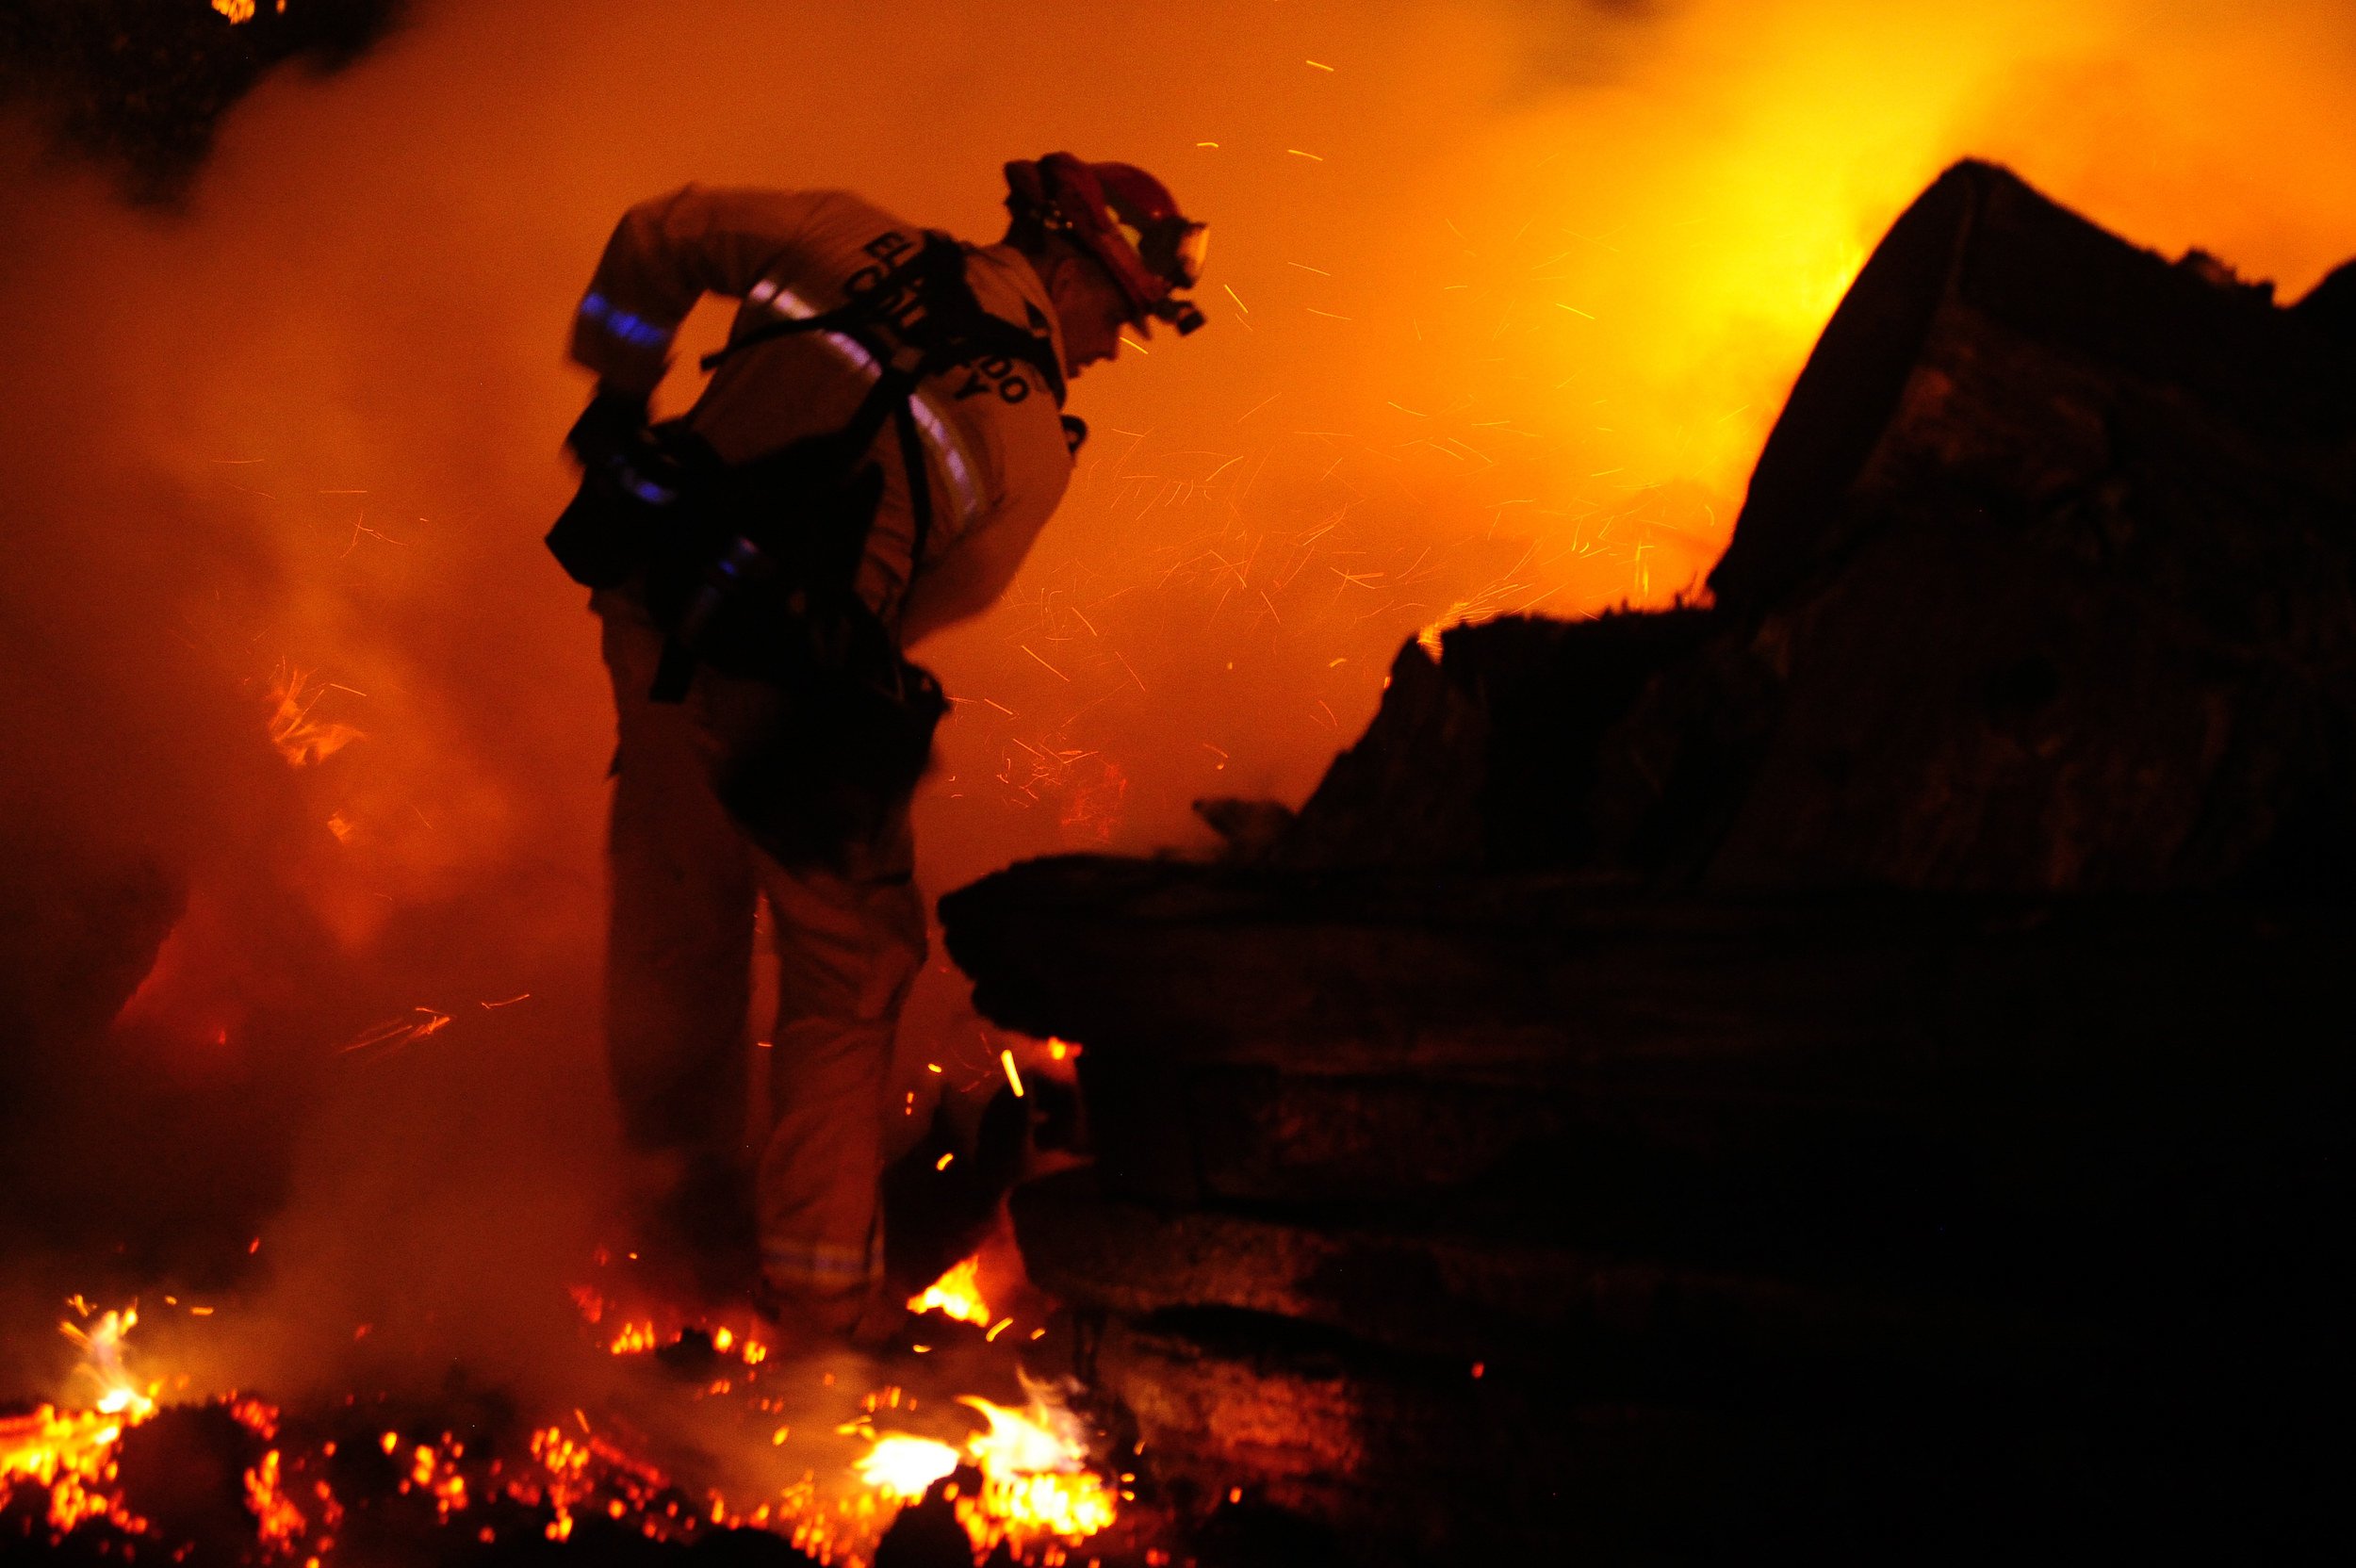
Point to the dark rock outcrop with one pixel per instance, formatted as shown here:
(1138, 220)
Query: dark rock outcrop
(1855, 1064)
(2046, 583)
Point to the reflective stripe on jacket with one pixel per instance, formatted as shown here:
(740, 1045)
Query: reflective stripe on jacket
(995, 451)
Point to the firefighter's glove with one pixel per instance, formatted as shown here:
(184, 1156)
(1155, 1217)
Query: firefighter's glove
(614, 422)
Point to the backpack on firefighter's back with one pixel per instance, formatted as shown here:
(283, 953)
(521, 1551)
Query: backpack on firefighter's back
(751, 568)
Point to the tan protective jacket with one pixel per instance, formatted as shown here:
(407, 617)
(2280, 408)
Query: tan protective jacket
(995, 454)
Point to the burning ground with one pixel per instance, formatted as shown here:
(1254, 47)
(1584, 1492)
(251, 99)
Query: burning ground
(700, 1432)
(305, 734)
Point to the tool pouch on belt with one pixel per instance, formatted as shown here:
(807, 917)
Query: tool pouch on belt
(751, 570)
(632, 483)
(759, 586)
(851, 734)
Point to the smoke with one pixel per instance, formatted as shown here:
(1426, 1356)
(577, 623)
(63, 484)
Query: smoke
(1503, 301)
(142, 85)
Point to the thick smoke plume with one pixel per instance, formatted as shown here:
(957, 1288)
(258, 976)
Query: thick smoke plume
(1504, 298)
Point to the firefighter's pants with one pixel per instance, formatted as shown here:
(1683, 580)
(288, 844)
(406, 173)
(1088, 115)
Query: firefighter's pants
(677, 977)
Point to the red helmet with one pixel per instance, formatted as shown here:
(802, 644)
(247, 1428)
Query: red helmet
(1124, 218)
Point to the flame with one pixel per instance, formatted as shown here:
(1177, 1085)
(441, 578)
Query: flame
(904, 1466)
(1035, 1486)
(102, 1363)
(1045, 1438)
(71, 1453)
(957, 1293)
(291, 731)
(1033, 1463)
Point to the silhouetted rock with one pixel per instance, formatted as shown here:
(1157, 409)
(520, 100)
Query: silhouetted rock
(927, 1534)
(2044, 583)
(1856, 1063)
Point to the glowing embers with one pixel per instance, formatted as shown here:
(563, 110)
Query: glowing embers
(957, 1294)
(579, 1476)
(72, 1454)
(1035, 1478)
(296, 1513)
(278, 1524)
(376, 1480)
(301, 739)
(1070, 1508)
(634, 1339)
(643, 1339)
(590, 1473)
(666, 1331)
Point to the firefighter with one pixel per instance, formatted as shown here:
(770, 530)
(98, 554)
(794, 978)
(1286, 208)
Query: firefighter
(965, 465)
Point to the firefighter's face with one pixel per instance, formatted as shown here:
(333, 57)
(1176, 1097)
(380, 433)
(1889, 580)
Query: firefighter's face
(1091, 309)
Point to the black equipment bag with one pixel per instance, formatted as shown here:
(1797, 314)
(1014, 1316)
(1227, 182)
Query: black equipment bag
(763, 587)
(631, 484)
(752, 568)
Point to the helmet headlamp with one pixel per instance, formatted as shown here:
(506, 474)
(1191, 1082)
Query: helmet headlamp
(1126, 220)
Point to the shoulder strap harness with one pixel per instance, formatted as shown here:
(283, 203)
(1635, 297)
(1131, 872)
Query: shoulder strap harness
(934, 323)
